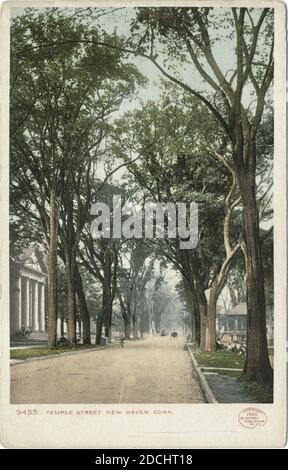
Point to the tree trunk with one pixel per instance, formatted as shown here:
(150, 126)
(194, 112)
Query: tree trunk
(71, 304)
(83, 306)
(71, 311)
(99, 325)
(101, 317)
(129, 318)
(210, 345)
(52, 272)
(127, 322)
(202, 302)
(197, 327)
(157, 325)
(104, 317)
(108, 318)
(193, 329)
(107, 295)
(127, 327)
(125, 314)
(191, 299)
(80, 328)
(62, 326)
(135, 328)
(68, 257)
(135, 323)
(257, 366)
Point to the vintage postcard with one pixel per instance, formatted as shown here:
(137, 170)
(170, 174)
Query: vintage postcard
(143, 235)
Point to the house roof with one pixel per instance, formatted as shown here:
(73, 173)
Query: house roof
(33, 258)
(240, 309)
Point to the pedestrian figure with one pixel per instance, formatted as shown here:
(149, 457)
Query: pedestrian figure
(122, 342)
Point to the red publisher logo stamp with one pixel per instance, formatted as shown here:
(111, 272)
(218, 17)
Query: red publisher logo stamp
(252, 418)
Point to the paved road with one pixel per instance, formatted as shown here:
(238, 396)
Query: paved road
(153, 370)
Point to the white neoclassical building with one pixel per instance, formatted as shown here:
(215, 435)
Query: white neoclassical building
(28, 278)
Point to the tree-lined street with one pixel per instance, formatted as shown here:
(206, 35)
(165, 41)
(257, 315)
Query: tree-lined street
(141, 166)
(152, 370)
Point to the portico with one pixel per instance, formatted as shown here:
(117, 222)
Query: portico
(27, 292)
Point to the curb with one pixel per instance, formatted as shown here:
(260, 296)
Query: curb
(221, 368)
(206, 389)
(54, 356)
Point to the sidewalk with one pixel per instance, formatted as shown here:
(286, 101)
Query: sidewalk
(220, 387)
(59, 354)
(227, 389)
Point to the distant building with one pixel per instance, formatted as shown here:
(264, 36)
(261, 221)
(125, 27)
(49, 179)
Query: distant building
(232, 325)
(28, 278)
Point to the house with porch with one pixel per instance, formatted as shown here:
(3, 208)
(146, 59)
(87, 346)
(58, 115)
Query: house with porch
(232, 325)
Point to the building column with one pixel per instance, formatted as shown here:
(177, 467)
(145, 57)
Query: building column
(27, 303)
(35, 316)
(23, 305)
(41, 303)
(19, 305)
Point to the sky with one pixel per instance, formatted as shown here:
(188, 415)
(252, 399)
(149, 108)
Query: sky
(119, 20)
